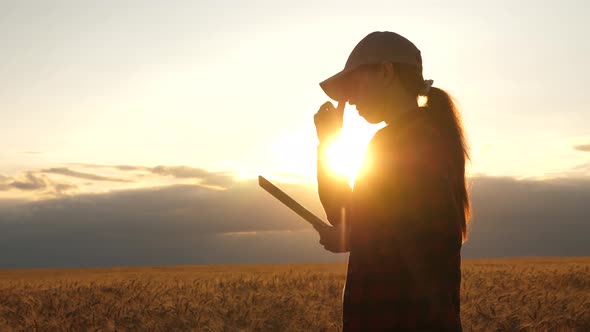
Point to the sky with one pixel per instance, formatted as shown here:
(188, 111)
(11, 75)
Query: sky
(144, 98)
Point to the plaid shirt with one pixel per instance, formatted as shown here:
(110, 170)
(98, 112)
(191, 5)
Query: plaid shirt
(404, 267)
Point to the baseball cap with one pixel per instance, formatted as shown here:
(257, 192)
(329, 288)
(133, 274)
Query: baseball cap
(376, 47)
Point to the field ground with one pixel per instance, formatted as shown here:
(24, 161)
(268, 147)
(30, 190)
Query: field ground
(528, 294)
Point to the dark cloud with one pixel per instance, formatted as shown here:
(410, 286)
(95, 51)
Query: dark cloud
(63, 188)
(529, 218)
(242, 208)
(68, 172)
(181, 224)
(31, 181)
(192, 224)
(582, 147)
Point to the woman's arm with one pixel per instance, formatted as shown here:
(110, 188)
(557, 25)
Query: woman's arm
(333, 189)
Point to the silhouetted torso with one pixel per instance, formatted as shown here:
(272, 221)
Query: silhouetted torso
(405, 241)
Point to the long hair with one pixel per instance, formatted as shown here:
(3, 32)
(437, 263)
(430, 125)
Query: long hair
(446, 117)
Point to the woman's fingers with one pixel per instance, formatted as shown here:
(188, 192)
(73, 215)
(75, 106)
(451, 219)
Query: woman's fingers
(328, 121)
(327, 106)
(323, 112)
(334, 239)
(340, 109)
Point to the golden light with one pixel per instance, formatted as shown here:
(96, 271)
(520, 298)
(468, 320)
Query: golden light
(422, 101)
(345, 157)
(346, 154)
(295, 152)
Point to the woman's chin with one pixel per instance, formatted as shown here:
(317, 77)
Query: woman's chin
(370, 119)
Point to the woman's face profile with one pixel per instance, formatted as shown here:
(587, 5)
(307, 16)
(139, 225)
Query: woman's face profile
(366, 90)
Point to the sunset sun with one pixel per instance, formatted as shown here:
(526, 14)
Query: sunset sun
(346, 154)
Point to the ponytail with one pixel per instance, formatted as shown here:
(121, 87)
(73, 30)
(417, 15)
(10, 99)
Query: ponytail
(447, 119)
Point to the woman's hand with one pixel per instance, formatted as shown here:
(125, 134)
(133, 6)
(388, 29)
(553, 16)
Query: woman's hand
(335, 238)
(328, 121)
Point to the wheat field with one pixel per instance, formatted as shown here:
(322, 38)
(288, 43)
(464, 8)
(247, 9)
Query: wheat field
(532, 294)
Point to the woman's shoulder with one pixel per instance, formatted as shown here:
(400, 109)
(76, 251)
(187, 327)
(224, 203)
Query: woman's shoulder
(412, 128)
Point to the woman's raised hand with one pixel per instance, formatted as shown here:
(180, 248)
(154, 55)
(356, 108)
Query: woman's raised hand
(328, 121)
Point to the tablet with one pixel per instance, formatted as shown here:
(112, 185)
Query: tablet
(316, 222)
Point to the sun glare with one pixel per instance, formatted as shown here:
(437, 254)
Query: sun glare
(346, 155)
(345, 158)
(295, 153)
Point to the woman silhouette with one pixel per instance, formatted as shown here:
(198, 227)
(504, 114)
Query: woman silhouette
(406, 219)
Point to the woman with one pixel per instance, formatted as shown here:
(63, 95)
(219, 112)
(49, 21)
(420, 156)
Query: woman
(406, 219)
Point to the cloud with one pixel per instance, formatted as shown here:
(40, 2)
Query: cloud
(242, 208)
(4, 185)
(180, 224)
(529, 218)
(31, 181)
(68, 172)
(582, 147)
(130, 168)
(34, 181)
(207, 177)
(117, 167)
(180, 171)
(222, 179)
(192, 224)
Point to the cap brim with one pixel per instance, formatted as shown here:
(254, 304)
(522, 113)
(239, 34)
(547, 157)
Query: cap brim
(335, 86)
